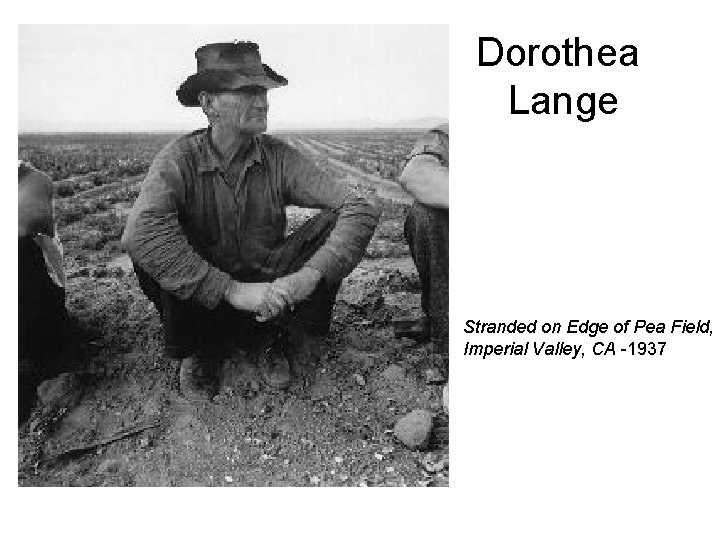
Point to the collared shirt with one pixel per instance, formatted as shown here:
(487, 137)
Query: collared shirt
(199, 221)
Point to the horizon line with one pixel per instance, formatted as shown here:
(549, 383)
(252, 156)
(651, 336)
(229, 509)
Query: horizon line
(171, 131)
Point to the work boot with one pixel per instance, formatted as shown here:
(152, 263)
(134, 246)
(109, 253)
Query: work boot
(236, 373)
(274, 365)
(305, 351)
(198, 381)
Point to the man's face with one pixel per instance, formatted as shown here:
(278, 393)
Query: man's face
(243, 110)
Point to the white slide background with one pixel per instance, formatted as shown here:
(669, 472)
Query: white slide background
(614, 219)
(552, 219)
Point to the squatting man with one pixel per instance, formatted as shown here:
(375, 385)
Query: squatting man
(426, 178)
(207, 232)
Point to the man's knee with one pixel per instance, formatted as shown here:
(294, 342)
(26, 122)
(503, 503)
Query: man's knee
(301, 245)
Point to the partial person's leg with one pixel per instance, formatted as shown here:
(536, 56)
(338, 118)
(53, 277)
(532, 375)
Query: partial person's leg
(176, 317)
(42, 324)
(313, 315)
(426, 232)
(196, 336)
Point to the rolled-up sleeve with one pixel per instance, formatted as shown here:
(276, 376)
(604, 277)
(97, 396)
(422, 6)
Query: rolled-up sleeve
(154, 239)
(427, 180)
(426, 173)
(306, 185)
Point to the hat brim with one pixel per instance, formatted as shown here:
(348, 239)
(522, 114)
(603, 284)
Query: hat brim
(219, 79)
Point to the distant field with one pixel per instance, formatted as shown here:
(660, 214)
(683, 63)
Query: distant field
(111, 154)
(374, 152)
(115, 155)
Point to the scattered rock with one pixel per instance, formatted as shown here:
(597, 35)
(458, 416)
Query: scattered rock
(432, 464)
(433, 376)
(64, 391)
(414, 429)
(393, 372)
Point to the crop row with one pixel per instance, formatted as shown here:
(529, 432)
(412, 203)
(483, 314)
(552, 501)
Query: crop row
(72, 209)
(112, 155)
(384, 156)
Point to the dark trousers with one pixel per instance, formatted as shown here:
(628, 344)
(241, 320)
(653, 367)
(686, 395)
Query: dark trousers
(190, 328)
(426, 232)
(42, 318)
(43, 326)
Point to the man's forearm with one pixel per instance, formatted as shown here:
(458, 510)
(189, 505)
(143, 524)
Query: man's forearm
(160, 248)
(345, 247)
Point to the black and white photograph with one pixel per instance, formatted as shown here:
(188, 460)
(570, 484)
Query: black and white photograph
(233, 255)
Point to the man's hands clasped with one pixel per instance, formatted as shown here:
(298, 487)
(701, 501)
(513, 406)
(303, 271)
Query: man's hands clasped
(271, 300)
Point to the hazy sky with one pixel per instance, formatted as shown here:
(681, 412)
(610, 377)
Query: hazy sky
(107, 77)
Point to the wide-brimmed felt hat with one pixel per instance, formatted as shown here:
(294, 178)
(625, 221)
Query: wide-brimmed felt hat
(227, 66)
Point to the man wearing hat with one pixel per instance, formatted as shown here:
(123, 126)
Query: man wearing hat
(207, 232)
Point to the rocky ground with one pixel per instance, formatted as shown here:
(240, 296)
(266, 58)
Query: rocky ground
(346, 421)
